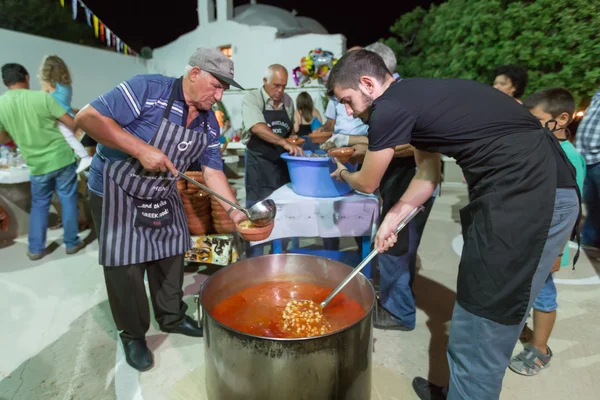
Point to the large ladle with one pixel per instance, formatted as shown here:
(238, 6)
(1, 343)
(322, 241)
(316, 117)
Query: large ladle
(261, 214)
(372, 254)
(310, 312)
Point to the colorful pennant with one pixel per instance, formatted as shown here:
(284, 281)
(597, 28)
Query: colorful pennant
(101, 31)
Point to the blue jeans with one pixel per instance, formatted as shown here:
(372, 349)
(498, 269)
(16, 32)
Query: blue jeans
(397, 273)
(479, 349)
(64, 181)
(590, 233)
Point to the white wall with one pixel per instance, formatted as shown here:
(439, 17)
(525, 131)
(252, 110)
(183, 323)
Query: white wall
(254, 48)
(94, 71)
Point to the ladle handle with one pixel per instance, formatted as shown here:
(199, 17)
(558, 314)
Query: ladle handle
(372, 254)
(232, 204)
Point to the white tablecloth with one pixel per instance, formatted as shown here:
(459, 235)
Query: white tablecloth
(236, 146)
(299, 216)
(14, 175)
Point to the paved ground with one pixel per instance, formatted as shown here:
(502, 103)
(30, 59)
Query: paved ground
(58, 341)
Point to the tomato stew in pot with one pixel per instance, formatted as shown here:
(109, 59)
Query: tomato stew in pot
(259, 310)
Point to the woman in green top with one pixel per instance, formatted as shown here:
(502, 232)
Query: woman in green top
(554, 108)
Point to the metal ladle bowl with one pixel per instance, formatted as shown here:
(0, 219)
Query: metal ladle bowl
(261, 214)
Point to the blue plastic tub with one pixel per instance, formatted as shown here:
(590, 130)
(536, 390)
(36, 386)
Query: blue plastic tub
(310, 176)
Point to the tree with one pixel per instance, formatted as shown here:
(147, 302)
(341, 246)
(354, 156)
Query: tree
(557, 40)
(49, 19)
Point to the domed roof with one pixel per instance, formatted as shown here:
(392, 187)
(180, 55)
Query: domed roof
(312, 25)
(287, 24)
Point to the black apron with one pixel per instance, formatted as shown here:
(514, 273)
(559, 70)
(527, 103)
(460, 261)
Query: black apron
(142, 215)
(266, 171)
(512, 186)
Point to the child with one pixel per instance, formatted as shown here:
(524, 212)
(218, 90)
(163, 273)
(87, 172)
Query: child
(56, 80)
(554, 108)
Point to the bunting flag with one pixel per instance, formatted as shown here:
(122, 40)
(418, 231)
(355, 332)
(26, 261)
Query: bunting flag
(95, 19)
(88, 16)
(101, 31)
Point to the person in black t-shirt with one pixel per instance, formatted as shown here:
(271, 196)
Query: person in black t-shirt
(522, 191)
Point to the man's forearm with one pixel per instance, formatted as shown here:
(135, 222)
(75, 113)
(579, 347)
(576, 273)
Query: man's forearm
(358, 139)
(327, 126)
(421, 187)
(358, 181)
(217, 181)
(106, 131)
(265, 133)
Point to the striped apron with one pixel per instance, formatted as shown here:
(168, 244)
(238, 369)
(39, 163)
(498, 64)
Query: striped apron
(142, 214)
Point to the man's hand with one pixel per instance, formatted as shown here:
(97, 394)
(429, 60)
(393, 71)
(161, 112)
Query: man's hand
(359, 153)
(337, 174)
(385, 238)
(155, 160)
(237, 216)
(292, 148)
(337, 140)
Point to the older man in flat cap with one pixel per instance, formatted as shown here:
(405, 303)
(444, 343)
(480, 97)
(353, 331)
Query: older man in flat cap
(149, 128)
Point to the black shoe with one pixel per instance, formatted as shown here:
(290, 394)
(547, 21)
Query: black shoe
(188, 327)
(384, 320)
(427, 390)
(137, 354)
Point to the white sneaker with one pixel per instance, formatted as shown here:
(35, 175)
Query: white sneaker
(84, 164)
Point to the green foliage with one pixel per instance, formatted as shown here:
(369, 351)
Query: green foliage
(557, 40)
(48, 19)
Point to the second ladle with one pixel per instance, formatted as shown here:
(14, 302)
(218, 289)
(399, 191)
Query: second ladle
(261, 214)
(372, 254)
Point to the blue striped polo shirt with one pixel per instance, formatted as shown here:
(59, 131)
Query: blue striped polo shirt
(138, 105)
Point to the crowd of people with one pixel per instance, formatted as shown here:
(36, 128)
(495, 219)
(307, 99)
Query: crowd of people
(513, 153)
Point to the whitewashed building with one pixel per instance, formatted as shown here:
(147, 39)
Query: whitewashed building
(253, 35)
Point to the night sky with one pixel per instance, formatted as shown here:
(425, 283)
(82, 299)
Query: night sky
(155, 23)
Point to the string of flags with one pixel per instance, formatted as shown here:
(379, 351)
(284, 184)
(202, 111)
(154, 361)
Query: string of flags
(101, 31)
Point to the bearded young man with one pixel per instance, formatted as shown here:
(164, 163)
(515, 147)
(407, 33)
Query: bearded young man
(523, 201)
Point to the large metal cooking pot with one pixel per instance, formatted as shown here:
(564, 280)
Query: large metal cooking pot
(243, 366)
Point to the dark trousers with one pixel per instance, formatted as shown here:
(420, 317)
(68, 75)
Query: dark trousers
(127, 294)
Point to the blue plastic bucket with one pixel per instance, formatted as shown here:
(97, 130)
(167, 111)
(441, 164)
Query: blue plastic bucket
(310, 176)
